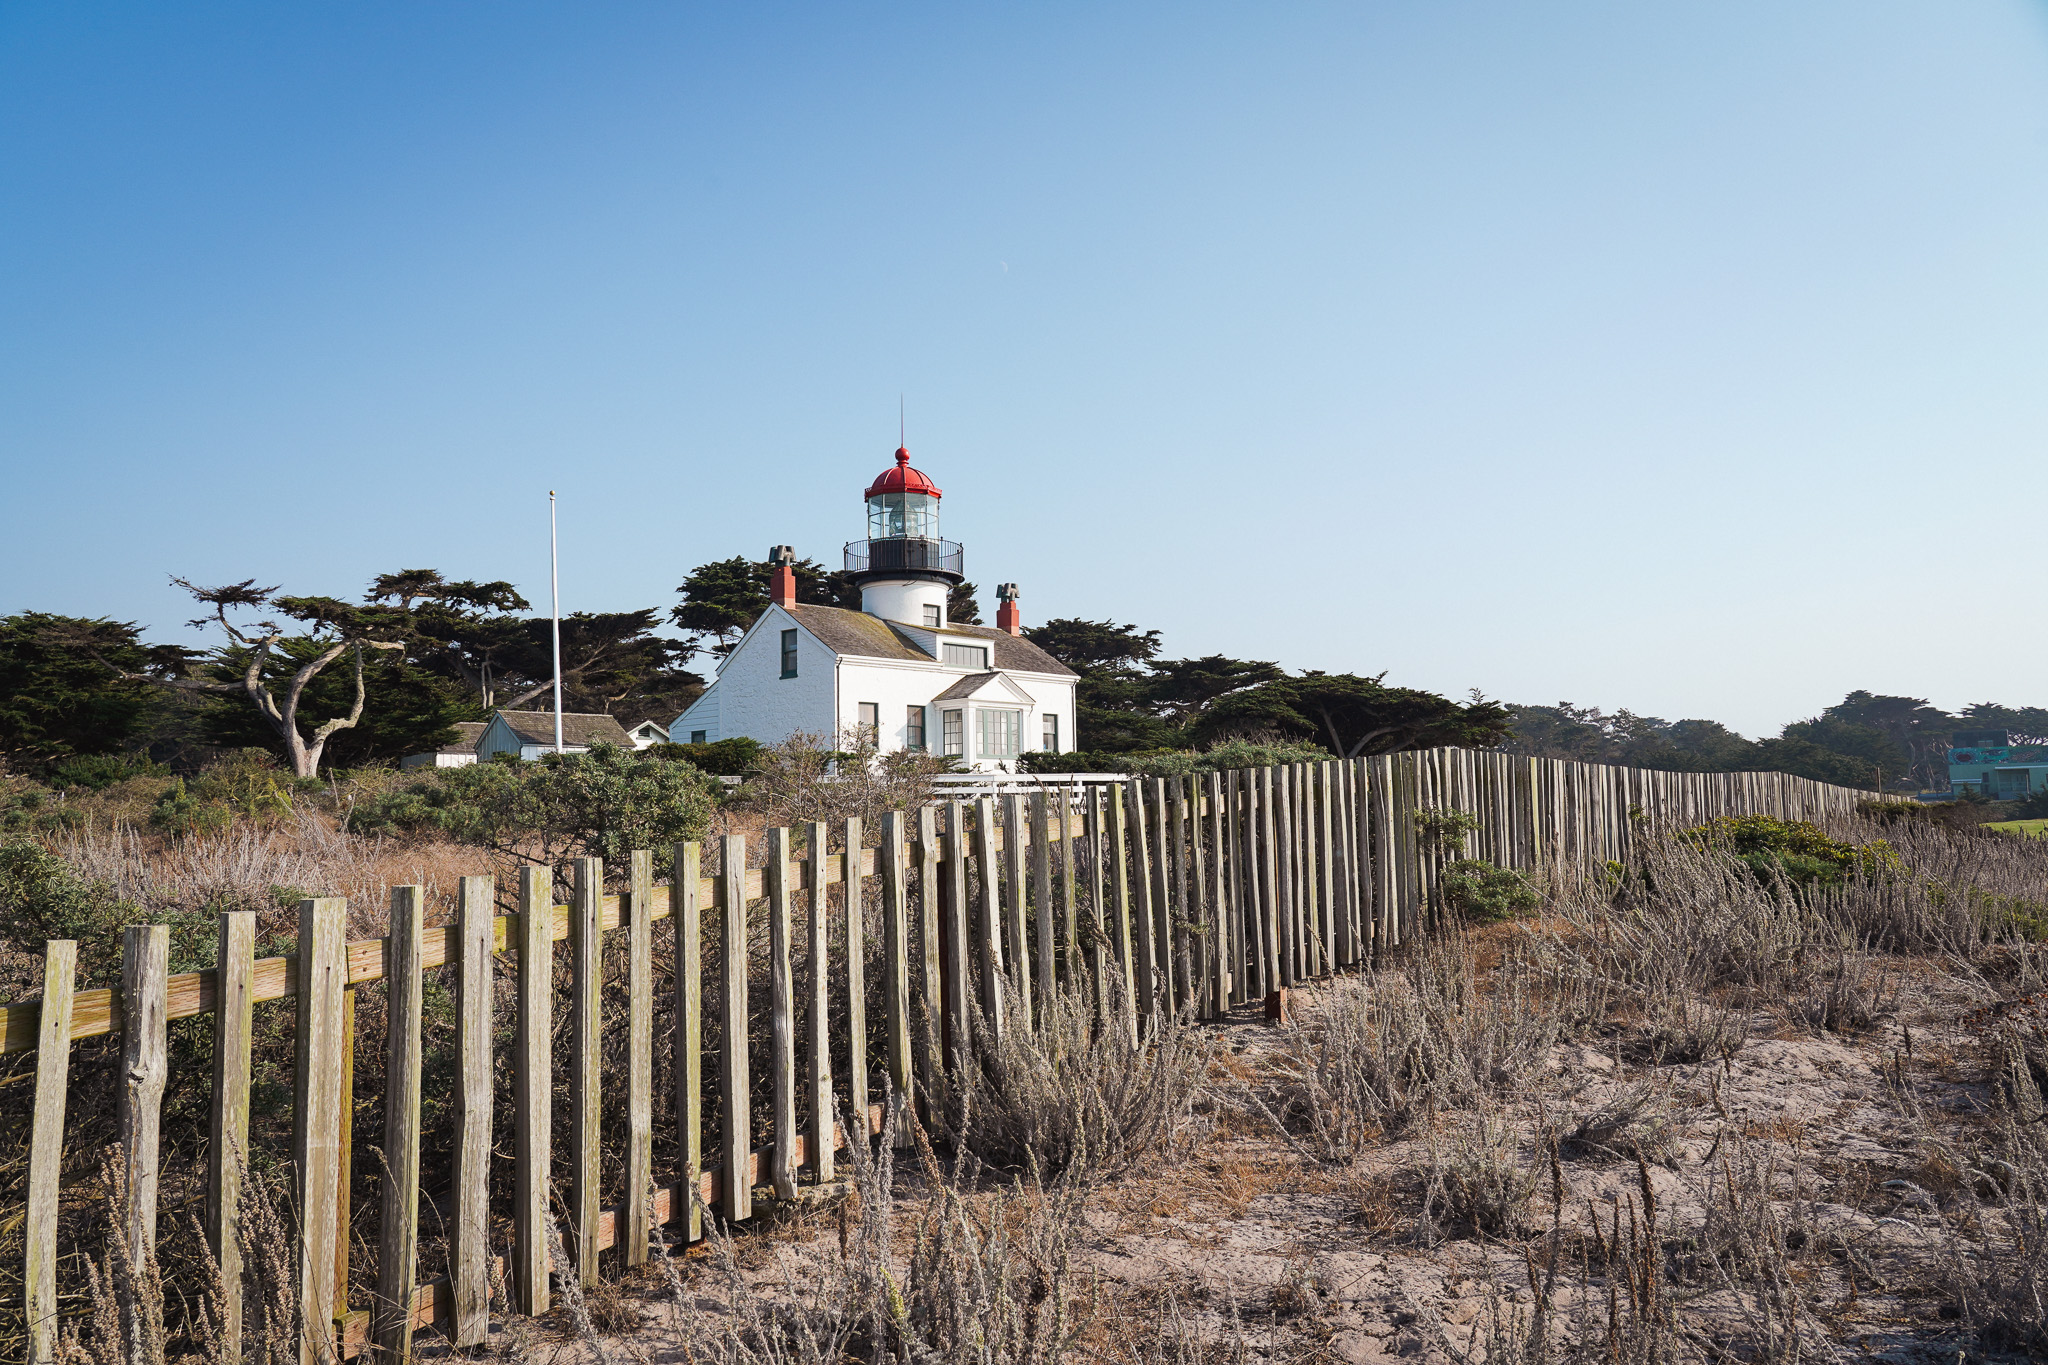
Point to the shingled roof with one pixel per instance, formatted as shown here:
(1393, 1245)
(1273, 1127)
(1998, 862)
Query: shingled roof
(857, 633)
(870, 637)
(538, 727)
(467, 733)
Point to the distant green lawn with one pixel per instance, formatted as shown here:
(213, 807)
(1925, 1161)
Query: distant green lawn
(2032, 829)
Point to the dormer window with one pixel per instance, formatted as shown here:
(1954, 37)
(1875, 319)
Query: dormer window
(966, 656)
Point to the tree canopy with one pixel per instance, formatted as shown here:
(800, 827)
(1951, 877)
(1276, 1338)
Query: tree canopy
(1864, 740)
(59, 699)
(722, 598)
(406, 709)
(1129, 699)
(1354, 716)
(473, 633)
(354, 681)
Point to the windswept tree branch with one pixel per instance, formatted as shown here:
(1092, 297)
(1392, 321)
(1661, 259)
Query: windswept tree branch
(513, 703)
(355, 713)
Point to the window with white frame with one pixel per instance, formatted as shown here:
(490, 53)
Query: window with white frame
(1049, 733)
(999, 734)
(933, 617)
(913, 729)
(953, 732)
(966, 656)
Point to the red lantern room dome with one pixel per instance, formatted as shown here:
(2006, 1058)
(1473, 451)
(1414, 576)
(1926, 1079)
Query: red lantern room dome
(902, 479)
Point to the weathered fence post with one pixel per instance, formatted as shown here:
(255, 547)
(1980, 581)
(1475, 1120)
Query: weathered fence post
(1144, 932)
(631, 1232)
(734, 1090)
(1176, 810)
(228, 1156)
(896, 956)
(1120, 906)
(686, 910)
(930, 939)
(46, 1147)
(988, 917)
(852, 898)
(145, 1064)
(317, 1120)
(1041, 895)
(398, 1226)
(1016, 929)
(817, 1010)
(1069, 927)
(469, 1258)
(782, 1015)
(586, 1058)
(959, 956)
(1098, 902)
(533, 1089)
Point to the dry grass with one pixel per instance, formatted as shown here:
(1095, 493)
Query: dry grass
(960, 1274)
(126, 1323)
(1685, 1116)
(1068, 1100)
(268, 868)
(1480, 1084)
(1427, 1034)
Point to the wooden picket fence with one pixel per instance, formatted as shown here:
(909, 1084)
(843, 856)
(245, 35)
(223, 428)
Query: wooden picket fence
(1159, 897)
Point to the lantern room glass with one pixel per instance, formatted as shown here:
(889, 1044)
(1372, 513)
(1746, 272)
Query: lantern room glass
(903, 516)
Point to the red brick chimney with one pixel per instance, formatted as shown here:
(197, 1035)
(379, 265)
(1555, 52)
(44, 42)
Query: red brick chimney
(782, 580)
(1008, 618)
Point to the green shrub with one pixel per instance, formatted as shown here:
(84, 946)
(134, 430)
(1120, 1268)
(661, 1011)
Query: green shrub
(1798, 850)
(179, 811)
(245, 785)
(97, 772)
(1483, 892)
(41, 898)
(27, 805)
(1224, 756)
(1072, 761)
(1442, 832)
(739, 757)
(603, 804)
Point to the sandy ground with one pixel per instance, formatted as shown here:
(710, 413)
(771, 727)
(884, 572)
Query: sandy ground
(1264, 1254)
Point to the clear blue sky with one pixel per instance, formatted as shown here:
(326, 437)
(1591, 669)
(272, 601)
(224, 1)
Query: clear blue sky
(1687, 357)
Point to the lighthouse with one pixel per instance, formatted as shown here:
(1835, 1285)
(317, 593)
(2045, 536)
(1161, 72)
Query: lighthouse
(905, 570)
(898, 674)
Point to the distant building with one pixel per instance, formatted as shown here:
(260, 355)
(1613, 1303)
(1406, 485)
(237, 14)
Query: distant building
(529, 734)
(1982, 760)
(647, 732)
(459, 752)
(896, 668)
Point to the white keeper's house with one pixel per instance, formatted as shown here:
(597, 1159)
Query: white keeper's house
(897, 665)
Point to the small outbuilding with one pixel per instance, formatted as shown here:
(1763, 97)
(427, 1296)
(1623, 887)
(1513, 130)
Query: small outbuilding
(459, 752)
(529, 734)
(647, 733)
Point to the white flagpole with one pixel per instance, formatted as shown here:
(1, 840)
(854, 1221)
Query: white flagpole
(555, 590)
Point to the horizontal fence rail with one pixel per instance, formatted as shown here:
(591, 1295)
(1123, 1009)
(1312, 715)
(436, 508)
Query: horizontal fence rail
(833, 967)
